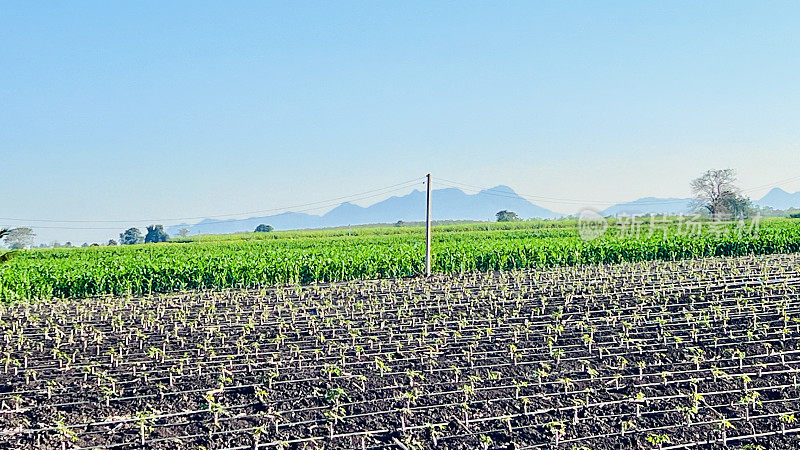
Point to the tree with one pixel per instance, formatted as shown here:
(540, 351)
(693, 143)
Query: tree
(264, 228)
(131, 236)
(183, 232)
(112, 242)
(507, 216)
(6, 255)
(20, 237)
(68, 244)
(716, 193)
(85, 244)
(739, 207)
(156, 233)
(399, 223)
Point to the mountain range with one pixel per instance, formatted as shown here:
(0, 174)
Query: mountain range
(651, 205)
(447, 204)
(779, 199)
(451, 204)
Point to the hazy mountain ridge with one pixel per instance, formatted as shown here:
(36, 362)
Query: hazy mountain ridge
(452, 204)
(779, 199)
(650, 205)
(446, 204)
(776, 198)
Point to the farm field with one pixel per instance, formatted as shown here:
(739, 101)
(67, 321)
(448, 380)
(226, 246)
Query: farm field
(655, 354)
(263, 259)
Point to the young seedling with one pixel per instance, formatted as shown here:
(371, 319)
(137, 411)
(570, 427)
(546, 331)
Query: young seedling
(382, 366)
(468, 390)
(751, 399)
(787, 419)
(144, 419)
(272, 375)
(413, 374)
(641, 365)
(627, 425)
(405, 414)
(330, 370)
(436, 431)
(658, 440)
(65, 434)
(512, 350)
(215, 407)
(566, 382)
(723, 427)
(518, 385)
(465, 410)
(485, 441)
(589, 341)
(542, 372)
(745, 381)
(333, 416)
(556, 428)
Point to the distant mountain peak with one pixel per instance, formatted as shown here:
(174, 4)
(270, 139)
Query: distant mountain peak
(780, 199)
(500, 188)
(777, 190)
(650, 205)
(447, 204)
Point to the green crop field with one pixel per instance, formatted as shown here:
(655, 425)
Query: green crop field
(261, 259)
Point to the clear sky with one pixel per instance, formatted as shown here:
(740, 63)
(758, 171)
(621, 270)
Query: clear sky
(124, 110)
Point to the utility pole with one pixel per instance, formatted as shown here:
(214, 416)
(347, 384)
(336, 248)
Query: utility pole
(428, 232)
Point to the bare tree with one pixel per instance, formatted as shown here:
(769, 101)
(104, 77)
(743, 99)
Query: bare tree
(715, 192)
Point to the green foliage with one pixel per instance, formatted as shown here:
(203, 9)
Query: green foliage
(507, 216)
(129, 237)
(156, 233)
(5, 256)
(251, 259)
(263, 228)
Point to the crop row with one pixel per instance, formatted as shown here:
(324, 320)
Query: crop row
(297, 258)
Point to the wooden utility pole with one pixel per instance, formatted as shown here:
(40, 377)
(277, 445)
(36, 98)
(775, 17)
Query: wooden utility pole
(428, 232)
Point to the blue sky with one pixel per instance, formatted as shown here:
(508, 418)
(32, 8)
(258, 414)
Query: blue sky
(123, 110)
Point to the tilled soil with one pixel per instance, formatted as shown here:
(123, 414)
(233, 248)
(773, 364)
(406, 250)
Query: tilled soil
(689, 354)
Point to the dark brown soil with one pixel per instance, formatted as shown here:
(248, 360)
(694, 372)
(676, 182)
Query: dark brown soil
(693, 354)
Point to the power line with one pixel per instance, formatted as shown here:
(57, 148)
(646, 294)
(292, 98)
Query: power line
(219, 222)
(772, 185)
(320, 204)
(311, 206)
(324, 206)
(539, 198)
